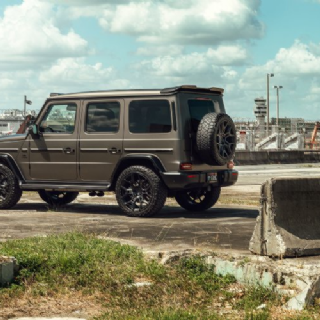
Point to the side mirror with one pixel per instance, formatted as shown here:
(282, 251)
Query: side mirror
(34, 130)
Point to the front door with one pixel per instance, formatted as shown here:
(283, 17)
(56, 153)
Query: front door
(53, 153)
(101, 139)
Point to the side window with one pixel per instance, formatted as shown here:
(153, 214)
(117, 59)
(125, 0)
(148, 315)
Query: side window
(150, 116)
(59, 118)
(103, 117)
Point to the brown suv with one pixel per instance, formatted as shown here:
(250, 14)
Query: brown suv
(145, 145)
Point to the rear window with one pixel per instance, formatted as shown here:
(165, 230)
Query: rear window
(198, 108)
(150, 116)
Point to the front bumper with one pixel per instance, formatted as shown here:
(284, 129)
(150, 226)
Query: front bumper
(196, 179)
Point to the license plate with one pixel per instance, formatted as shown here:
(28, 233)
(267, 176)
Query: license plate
(212, 177)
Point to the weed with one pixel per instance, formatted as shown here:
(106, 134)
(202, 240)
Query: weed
(159, 314)
(195, 269)
(257, 295)
(262, 315)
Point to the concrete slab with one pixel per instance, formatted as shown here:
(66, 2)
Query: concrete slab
(7, 270)
(288, 224)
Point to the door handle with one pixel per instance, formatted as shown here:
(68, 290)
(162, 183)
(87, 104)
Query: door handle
(68, 150)
(114, 150)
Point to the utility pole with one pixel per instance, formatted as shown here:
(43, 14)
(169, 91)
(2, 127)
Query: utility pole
(278, 88)
(268, 114)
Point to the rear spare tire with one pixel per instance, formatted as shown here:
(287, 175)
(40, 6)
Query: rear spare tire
(216, 139)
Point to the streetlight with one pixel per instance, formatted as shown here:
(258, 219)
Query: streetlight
(25, 103)
(278, 87)
(268, 75)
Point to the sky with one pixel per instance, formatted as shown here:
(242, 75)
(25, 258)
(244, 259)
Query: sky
(84, 45)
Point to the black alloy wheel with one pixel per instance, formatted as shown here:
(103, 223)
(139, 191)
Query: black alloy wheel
(10, 192)
(216, 139)
(198, 199)
(140, 192)
(57, 198)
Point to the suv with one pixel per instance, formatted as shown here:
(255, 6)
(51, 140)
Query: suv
(145, 145)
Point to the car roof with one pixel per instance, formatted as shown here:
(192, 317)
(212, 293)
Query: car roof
(138, 92)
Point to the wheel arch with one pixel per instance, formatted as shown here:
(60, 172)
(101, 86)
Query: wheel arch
(8, 161)
(147, 160)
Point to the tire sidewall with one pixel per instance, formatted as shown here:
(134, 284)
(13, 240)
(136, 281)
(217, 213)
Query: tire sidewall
(206, 139)
(211, 197)
(158, 192)
(14, 192)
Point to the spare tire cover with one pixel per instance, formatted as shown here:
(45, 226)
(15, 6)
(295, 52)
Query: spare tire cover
(216, 139)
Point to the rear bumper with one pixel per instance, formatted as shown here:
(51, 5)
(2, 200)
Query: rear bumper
(192, 179)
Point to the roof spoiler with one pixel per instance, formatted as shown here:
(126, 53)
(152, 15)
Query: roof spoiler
(191, 88)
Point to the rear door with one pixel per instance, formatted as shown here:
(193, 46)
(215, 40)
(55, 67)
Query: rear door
(101, 139)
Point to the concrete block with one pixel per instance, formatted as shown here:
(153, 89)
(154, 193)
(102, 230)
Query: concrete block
(7, 270)
(288, 224)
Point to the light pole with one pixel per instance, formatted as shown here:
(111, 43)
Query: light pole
(268, 76)
(278, 87)
(24, 106)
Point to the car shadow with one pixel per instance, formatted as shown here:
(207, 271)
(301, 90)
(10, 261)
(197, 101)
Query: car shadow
(167, 212)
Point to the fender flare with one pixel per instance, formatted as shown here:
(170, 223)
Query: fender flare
(8, 161)
(135, 159)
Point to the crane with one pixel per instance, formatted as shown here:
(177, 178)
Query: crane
(314, 134)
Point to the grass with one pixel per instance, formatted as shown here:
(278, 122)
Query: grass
(59, 267)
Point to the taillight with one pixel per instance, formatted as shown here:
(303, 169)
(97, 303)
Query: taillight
(185, 166)
(230, 165)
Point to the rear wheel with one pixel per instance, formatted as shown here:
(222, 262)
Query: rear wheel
(10, 193)
(199, 199)
(140, 192)
(58, 198)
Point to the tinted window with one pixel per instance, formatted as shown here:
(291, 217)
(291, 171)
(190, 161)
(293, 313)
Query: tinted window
(197, 109)
(59, 118)
(103, 117)
(149, 116)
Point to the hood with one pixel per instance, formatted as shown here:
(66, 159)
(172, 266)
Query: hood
(13, 137)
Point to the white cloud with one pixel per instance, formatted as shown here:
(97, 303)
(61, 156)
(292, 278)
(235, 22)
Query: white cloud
(289, 66)
(201, 22)
(195, 63)
(75, 72)
(30, 38)
(172, 50)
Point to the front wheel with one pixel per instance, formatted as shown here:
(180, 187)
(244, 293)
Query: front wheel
(10, 192)
(199, 199)
(58, 198)
(140, 192)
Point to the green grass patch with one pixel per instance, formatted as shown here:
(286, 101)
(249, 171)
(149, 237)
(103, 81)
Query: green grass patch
(255, 296)
(106, 271)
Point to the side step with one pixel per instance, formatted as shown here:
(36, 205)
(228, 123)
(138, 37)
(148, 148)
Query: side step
(64, 187)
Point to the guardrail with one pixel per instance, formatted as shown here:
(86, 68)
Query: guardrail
(276, 156)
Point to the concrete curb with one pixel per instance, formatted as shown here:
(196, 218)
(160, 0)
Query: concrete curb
(300, 280)
(8, 268)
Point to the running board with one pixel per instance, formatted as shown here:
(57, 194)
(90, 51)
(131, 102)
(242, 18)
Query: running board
(64, 187)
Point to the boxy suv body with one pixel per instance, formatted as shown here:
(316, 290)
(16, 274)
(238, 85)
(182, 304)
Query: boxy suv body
(144, 145)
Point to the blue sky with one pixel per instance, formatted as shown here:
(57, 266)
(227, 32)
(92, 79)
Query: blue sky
(79, 45)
